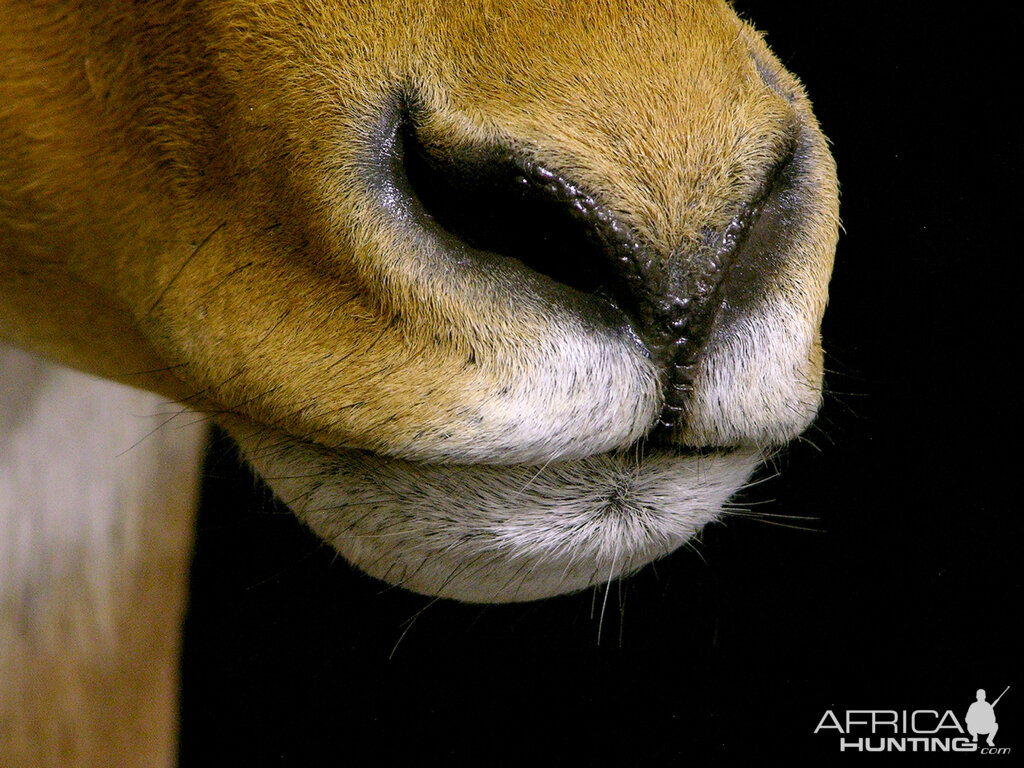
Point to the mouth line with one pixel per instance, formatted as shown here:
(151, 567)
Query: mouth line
(650, 446)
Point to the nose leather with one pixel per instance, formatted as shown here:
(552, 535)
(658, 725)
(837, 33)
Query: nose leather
(500, 200)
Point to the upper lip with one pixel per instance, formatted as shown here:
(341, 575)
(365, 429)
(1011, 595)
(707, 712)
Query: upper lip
(477, 197)
(684, 314)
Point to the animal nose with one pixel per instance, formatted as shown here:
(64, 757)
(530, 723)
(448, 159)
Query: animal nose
(502, 201)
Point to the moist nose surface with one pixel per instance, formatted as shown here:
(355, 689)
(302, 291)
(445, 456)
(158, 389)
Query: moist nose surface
(501, 201)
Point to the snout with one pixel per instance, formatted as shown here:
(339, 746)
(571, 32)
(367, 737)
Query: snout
(503, 299)
(531, 322)
(713, 341)
(493, 206)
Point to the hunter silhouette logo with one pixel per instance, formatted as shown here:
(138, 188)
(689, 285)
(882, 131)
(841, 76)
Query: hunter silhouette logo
(981, 717)
(917, 730)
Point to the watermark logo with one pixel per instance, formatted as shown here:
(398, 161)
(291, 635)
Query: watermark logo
(918, 730)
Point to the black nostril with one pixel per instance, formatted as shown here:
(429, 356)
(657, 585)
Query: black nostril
(500, 200)
(497, 200)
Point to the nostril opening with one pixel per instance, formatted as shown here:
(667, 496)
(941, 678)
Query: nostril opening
(495, 200)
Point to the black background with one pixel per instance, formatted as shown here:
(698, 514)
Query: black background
(898, 587)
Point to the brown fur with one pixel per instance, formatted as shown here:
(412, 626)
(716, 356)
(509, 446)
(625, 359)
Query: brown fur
(170, 164)
(181, 207)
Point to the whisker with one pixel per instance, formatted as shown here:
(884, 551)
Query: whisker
(604, 603)
(409, 622)
(181, 269)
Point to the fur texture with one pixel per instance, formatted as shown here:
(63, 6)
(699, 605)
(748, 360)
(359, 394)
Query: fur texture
(206, 201)
(96, 503)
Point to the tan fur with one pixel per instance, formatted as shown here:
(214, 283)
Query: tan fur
(183, 209)
(248, 163)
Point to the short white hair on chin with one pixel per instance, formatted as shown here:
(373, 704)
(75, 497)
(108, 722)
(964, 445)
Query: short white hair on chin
(485, 533)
